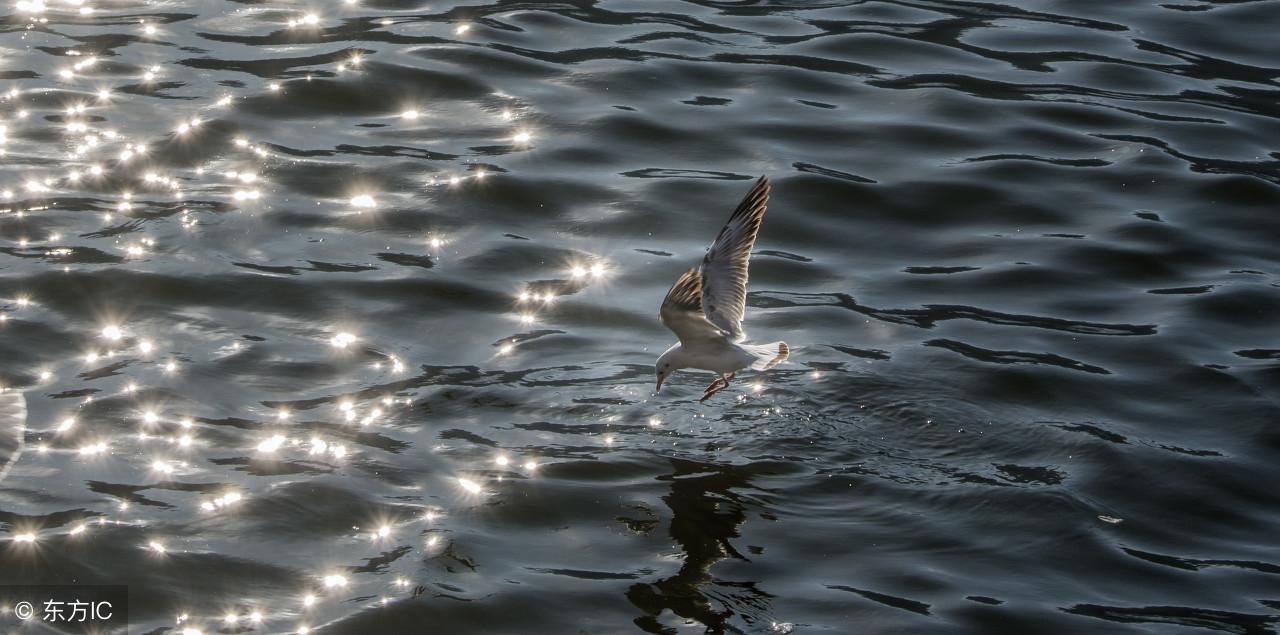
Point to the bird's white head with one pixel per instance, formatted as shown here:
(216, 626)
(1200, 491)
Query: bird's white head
(668, 363)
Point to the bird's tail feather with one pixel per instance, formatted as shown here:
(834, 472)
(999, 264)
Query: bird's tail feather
(768, 355)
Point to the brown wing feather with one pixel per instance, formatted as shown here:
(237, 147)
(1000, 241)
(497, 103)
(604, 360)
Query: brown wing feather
(682, 309)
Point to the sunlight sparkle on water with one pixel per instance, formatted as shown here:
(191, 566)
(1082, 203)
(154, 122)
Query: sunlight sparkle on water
(93, 143)
(309, 19)
(271, 444)
(93, 449)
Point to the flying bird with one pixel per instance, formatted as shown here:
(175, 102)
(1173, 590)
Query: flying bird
(705, 306)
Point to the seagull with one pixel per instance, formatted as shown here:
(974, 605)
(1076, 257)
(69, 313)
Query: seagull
(704, 307)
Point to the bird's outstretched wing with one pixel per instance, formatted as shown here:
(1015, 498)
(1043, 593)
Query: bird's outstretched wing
(682, 310)
(724, 268)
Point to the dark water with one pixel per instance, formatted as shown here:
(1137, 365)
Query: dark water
(1025, 256)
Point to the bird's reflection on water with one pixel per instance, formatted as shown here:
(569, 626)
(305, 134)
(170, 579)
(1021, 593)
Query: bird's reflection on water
(706, 513)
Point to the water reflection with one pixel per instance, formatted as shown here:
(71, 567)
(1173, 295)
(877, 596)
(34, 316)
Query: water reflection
(706, 513)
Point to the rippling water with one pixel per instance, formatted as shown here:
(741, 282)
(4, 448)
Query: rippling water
(261, 278)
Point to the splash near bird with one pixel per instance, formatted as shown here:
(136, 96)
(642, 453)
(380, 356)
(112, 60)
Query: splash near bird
(704, 307)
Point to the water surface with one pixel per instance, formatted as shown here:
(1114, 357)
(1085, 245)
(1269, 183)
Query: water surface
(271, 267)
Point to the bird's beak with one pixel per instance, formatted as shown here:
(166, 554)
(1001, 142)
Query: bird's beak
(660, 380)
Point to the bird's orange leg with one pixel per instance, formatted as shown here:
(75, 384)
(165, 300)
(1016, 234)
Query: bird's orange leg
(718, 384)
(715, 386)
